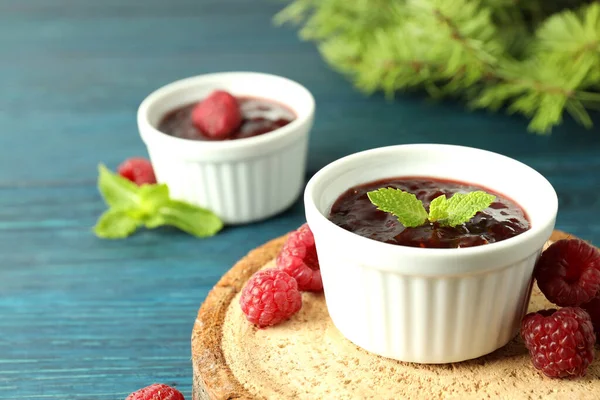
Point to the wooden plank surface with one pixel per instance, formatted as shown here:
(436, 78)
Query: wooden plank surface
(82, 318)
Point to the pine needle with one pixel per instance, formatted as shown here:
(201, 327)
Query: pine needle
(539, 59)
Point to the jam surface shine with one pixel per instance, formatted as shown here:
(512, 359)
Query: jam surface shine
(354, 212)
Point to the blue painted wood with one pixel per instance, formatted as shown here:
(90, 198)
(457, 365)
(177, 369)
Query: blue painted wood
(82, 318)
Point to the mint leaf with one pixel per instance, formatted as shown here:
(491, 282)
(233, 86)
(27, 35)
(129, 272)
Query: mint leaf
(403, 205)
(131, 206)
(156, 192)
(438, 209)
(460, 208)
(189, 218)
(152, 197)
(409, 210)
(115, 224)
(116, 190)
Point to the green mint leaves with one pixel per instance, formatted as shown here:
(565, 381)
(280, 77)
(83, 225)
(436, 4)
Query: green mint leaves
(409, 210)
(459, 208)
(132, 206)
(405, 206)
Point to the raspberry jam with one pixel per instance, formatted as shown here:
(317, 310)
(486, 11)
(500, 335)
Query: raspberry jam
(354, 212)
(259, 116)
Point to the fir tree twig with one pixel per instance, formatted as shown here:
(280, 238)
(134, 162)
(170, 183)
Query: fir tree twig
(531, 57)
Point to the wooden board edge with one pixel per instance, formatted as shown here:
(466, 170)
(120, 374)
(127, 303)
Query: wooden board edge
(212, 378)
(558, 235)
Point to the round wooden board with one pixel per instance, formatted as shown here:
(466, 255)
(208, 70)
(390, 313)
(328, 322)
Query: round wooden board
(213, 379)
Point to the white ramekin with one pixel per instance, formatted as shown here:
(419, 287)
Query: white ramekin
(242, 180)
(429, 305)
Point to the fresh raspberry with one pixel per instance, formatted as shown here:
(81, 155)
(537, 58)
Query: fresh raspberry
(138, 170)
(156, 391)
(568, 272)
(218, 115)
(298, 257)
(270, 297)
(593, 309)
(560, 343)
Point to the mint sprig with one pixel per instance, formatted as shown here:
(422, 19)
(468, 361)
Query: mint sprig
(409, 210)
(132, 206)
(405, 206)
(459, 208)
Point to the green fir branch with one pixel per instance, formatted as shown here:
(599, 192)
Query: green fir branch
(528, 57)
(571, 41)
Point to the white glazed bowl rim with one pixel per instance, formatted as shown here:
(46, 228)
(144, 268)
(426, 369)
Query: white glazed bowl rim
(428, 261)
(196, 149)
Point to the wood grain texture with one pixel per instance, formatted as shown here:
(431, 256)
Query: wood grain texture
(82, 318)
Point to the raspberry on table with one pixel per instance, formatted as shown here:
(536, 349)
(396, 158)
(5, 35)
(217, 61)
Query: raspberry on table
(561, 343)
(138, 170)
(270, 296)
(218, 115)
(568, 272)
(157, 391)
(298, 258)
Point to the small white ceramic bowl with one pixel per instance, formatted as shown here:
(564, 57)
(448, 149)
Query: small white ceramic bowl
(429, 305)
(243, 180)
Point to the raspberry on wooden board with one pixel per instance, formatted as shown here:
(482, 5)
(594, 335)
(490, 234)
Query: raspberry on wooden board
(593, 309)
(568, 272)
(561, 343)
(298, 258)
(270, 296)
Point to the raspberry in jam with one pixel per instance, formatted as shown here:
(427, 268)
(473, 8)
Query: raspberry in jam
(354, 212)
(259, 116)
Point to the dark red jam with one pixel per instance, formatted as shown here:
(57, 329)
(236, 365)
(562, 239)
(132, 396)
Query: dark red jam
(354, 212)
(259, 116)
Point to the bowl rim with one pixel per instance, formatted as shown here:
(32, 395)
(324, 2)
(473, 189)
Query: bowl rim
(150, 133)
(352, 240)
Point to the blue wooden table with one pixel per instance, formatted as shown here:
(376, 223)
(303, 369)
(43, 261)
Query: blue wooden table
(83, 318)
